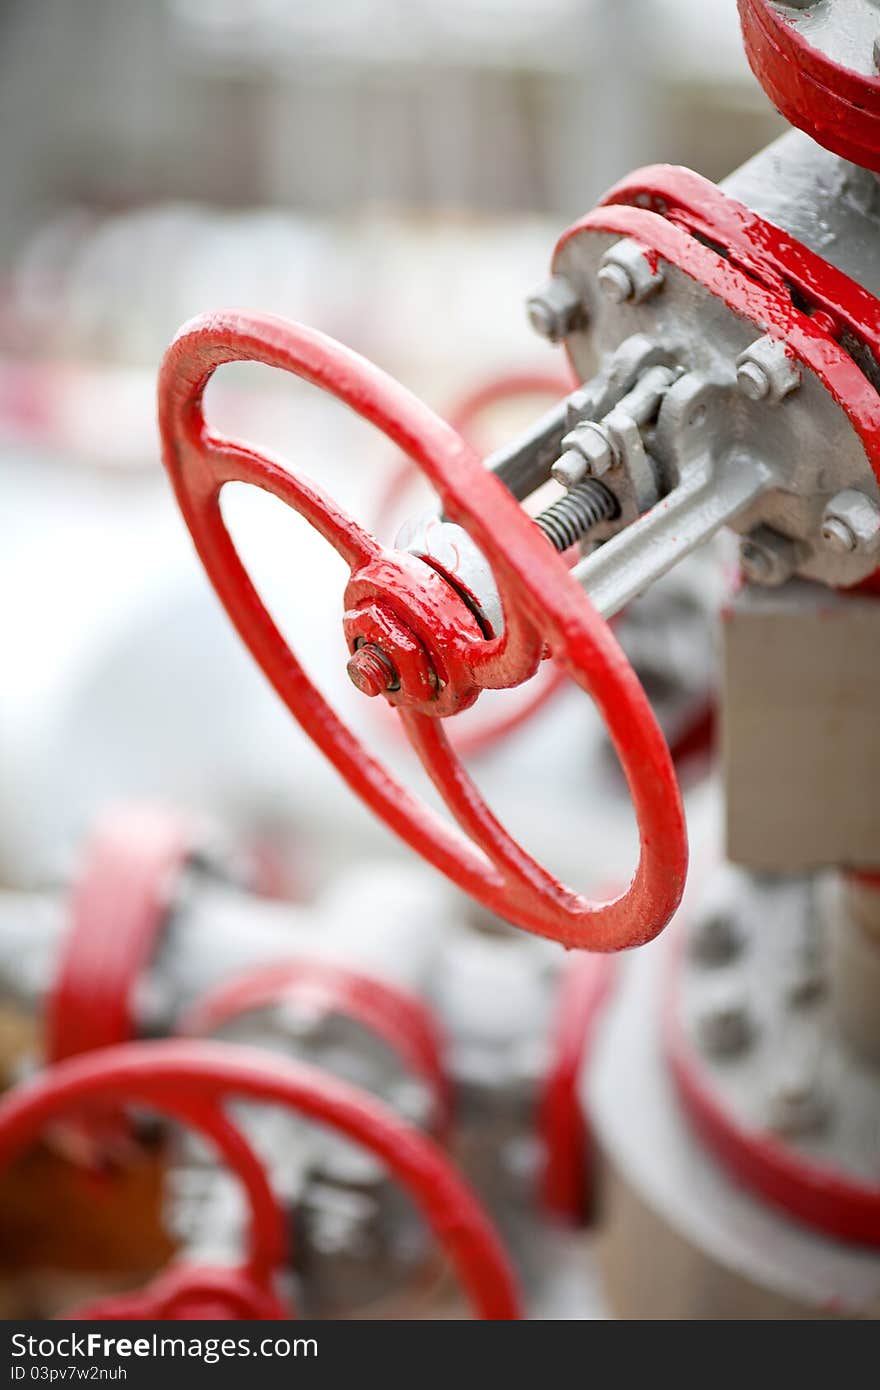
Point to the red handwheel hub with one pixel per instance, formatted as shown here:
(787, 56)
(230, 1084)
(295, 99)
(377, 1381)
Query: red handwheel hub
(406, 618)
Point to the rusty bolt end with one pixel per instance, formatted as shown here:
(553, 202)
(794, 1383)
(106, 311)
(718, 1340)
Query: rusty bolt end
(371, 671)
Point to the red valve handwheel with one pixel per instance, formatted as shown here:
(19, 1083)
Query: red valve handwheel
(399, 1019)
(397, 603)
(191, 1081)
(465, 417)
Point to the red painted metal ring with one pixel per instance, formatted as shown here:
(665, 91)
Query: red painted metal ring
(538, 595)
(190, 1080)
(119, 906)
(836, 105)
(399, 1019)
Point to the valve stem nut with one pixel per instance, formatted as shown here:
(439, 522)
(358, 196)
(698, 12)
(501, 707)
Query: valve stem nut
(769, 558)
(556, 309)
(628, 271)
(371, 671)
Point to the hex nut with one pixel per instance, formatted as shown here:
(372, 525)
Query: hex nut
(766, 371)
(592, 442)
(797, 1105)
(851, 522)
(724, 1026)
(628, 271)
(556, 309)
(570, 468)
(769, 558)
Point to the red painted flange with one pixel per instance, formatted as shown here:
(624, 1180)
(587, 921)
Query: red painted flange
(119, 906)
(809, 338)
(394, 599)
(837, 106)
(818, 1195)
(397, 1018)
(191, 1081)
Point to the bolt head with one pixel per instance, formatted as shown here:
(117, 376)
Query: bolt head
(616, 284)
(555, 310)
(724, 1026)
(838, 535)
(766, 371)
(541, 318)
(753, 381)
(717, 938)
(797, 1105)
(592, 443)
(569, 468)
(768, 557)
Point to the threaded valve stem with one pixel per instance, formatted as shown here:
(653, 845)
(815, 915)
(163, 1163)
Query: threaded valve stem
(581, 508)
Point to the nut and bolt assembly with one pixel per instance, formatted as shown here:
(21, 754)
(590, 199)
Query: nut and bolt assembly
(629, 273)
(766, 372)
(851, 523)
(371, 671)
(556, 310)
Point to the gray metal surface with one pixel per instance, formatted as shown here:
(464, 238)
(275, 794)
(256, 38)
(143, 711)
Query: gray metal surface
(645, 1136)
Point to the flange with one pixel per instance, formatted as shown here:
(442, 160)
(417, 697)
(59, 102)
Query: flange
(817, 62)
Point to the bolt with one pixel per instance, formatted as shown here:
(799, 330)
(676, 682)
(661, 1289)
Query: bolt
(769, 558)
(555, 310)
(753, 381)
(592, 442)
(797, 1105)
(717, 938)
(371, 671)
(627, 271)
(616, 284)
(570, 468)
(851, 522)
(766, 372)
(839, 535)
(724, 1027)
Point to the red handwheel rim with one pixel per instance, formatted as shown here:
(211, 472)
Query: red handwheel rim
(538, 596)
(399, 1019)
(190, 1080)
(119, 905)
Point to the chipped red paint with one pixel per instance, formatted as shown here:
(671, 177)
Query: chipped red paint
(191, 1081)
(400, 1020)
(815, 1193)
(835, 105)
(567, 1177)
(544, 609)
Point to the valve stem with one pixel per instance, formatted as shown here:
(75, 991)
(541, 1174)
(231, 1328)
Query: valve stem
(581, 508)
